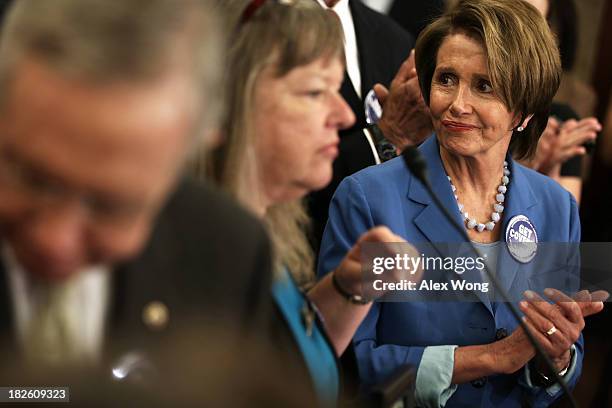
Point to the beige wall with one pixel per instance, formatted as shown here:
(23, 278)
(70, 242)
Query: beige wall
(589, 16)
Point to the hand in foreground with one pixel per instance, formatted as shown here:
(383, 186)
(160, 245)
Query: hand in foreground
(354, 279)
(556, 326)
(513, 352)
(405, 120)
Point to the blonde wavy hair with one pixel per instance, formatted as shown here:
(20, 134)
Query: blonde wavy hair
(285, 34)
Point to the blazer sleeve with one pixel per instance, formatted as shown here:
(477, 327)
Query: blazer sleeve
(543, 397)
(349, 217)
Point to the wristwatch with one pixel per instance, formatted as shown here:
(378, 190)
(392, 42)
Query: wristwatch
(353, 298)
(542, 380)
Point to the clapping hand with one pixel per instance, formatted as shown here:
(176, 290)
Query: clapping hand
(405, 120)
(558, 325)
(562, 141)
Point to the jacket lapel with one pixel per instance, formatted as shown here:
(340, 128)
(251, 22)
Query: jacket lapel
(519, 200)
(433, 225)
(431, 221)
(347, 90)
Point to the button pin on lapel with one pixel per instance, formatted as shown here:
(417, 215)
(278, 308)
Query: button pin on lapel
(372, 107)
(155, 315)
(521, 238)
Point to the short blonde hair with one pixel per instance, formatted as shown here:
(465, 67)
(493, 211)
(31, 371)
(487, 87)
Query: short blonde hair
(522, 58)
(284, 35)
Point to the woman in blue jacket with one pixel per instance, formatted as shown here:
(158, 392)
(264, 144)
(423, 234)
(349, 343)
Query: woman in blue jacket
(488, 70)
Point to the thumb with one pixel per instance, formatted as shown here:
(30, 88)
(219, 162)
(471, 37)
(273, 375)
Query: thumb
(381, 93)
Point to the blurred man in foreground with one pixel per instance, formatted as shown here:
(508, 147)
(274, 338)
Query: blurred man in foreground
(101, 104)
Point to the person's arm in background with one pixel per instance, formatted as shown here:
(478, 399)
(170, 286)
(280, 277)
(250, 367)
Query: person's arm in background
(560, 143)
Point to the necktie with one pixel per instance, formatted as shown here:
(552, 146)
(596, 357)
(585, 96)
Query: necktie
(53, 334)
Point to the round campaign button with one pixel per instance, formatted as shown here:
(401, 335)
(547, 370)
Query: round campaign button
(521, 239)
(373, 110)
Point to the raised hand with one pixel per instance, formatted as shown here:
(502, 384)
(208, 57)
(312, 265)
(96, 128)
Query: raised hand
(405, 120)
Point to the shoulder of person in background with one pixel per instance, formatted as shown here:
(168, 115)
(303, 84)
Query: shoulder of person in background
(382, 47)
(210, 258)
(415, 15)
(384, 30)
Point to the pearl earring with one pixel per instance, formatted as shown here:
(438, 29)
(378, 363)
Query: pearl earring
(520, 128)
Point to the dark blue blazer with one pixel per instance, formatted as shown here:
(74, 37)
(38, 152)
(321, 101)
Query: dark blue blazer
(394, 334)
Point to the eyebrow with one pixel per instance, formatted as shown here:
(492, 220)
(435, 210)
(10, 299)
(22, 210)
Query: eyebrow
(51, 177)
(30, 166)
(444, 68)
(453, 70)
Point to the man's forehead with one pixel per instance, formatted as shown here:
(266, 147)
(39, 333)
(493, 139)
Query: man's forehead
(96, 134)
(39, 89)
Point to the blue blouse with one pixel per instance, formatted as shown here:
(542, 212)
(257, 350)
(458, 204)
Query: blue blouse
(316, 350)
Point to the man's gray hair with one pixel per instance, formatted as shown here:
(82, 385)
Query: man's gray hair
(118, 40)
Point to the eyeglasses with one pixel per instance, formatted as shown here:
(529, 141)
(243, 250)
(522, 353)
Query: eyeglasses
(255, 5)
(248, 12)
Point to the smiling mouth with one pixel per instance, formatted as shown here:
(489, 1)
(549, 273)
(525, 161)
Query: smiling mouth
(457, 127)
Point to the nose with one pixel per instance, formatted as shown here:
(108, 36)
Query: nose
(343, 116)
(461, 102)
(57, 238)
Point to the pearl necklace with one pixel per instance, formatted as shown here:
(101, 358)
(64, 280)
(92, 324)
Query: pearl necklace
(498, 208)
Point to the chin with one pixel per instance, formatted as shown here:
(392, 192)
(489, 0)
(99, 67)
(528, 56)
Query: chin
(458, 149)
(321, 181)
(51, 272)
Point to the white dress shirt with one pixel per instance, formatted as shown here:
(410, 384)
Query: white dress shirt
(382, 6)
(86, 302)
(351, 52)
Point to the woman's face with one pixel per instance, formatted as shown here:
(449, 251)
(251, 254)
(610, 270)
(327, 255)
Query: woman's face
(296, 119)
(469, 119)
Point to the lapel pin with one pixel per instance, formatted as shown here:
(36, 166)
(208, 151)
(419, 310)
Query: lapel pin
(521, 239)
(155, 315)
(373, 109)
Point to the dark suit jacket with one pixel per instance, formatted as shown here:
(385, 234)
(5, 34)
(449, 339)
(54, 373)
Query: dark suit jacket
(415, 15)
(207, 260)
(382, 46)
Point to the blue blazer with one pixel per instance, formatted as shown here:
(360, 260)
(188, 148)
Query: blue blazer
(394, 334)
